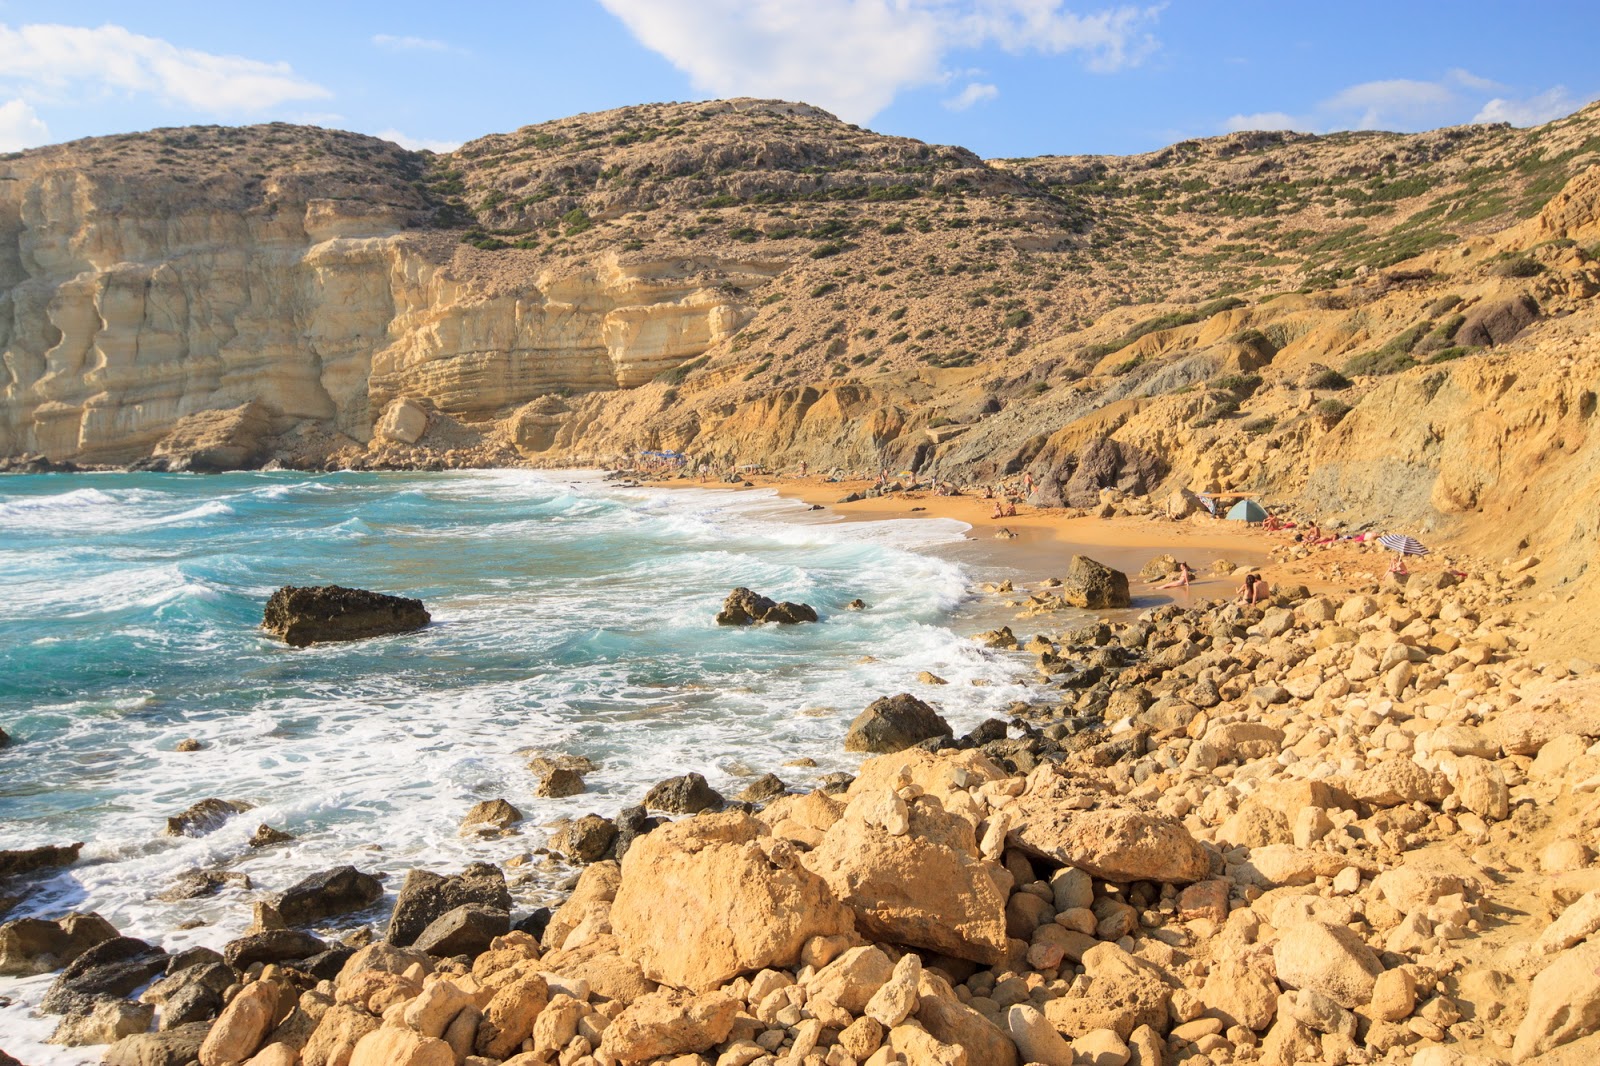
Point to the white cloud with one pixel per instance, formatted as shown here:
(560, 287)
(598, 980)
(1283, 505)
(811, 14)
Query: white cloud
(410, 44)
(417, 144)
(975, 93)
(21, 127)
(53, 61)
(1406, 104)
(1269, 120)
(1533, 111)
(853, 56)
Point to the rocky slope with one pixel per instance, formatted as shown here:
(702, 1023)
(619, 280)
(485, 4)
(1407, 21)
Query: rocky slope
(756, 281)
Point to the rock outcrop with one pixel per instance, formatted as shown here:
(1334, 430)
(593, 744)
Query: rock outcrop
(323, 613)
(743, 608)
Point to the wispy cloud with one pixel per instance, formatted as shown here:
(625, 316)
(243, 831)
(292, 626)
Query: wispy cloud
(417, 144)
(1405, 104)
(393, 43)
(21, 127)
(853, 56)
(975, 93)
(45, 61)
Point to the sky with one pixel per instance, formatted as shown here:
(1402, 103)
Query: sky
(1005, 78)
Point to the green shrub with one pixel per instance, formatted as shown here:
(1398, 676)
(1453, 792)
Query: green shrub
(823, 290)
(1123, 368)
(1331, 409)
(1041, 387)
(824, 251)
(1017, 319)
(1236, 384)
(1517, 267)
(1327, 378)
(1258, 426)
(1442, 305)
(1441, 335)
(1444, 355)
(758, 369)
(893, 228)
(576, 221)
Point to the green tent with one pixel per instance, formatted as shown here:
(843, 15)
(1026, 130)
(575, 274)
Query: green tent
(1247, 511)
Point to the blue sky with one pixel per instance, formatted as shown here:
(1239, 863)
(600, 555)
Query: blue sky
(1003, 77)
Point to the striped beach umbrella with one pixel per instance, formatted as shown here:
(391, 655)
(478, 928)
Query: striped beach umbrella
(1404, 545)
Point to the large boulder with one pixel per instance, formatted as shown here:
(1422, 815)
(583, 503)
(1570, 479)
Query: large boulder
(465, 930)
(317, 614)
(743, 608)
(688, 794)
(33, 945)
(1094, 586)
(913, 875)
(426, 896)
(210, 442)
(1075, 479)
(668, 1023)
(272, 945)
(175, 1047)
(1563, 1003)
(111, 968)
(1326, 958)
(894, 723)
(1114, 845)
(706, 899)
(323, 895)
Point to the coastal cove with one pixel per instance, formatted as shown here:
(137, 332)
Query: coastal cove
(571, 615)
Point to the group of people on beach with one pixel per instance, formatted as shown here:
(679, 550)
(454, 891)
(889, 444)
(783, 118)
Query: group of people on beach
(1253, 590)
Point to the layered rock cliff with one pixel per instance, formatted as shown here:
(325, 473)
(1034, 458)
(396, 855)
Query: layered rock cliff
(1392, 329)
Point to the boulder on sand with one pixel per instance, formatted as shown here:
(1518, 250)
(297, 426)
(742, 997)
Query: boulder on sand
(743, 608)
(894, 723)
(1094, 586)
(321, 613)
(1114, 845)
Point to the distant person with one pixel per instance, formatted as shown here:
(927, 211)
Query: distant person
(1254, 589)
(1398, 567)
(1011, 509)
(999, 510)
(1181, 581)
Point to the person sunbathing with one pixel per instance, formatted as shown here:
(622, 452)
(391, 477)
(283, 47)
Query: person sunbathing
(1181, 580)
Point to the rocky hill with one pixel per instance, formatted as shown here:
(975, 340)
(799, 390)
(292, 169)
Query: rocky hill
(1389, 329)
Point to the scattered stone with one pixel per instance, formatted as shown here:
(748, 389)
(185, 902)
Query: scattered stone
(560, 782)
(33, 946)
(1331, 959)
(743, 608)
(274, 945)
(325, 613)
(187, 744)
(204, 817)
(1116, 845)
(28, 860)
(323, 895)
(894, 723)
(589, 837)
(688, 794)
(490, 817)
(763, 789)
(265, 836)
(426, 896)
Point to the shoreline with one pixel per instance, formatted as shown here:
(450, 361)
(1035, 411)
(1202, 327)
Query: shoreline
(1099, 774)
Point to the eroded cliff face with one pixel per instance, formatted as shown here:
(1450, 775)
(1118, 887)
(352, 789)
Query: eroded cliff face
(129, 301)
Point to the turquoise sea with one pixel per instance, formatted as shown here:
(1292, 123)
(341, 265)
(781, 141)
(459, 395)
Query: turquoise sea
(570, 614)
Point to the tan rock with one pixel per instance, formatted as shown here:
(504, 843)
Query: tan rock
(1329, 959)
(950, 1021)
(1116, 845)
(1240, 994)
(852, 979)
(670, 1022)
(1100, 1047)
(401, 1047)
(242, 1026)
(916, 1045)
(509, 1016)
(861, 1038)
(894, 1001)
(1563, 1003)
(929, 888)
(335, 1038)
(1396, 781)
(275, 1055)
(1036, 1038)
(1124, 993)
(431, 1012)
(1394, 996)
(706, 899)
(1481, 788)
(600, 964)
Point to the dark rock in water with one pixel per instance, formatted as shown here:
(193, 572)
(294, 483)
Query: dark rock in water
(323, 895)
(688, 794)
(856, 605)
(7, 1060)
(204, 817)
(427, 896)
(586, 839)
(112, 968)
(466, 930)
(274, 945)
(989, 730)
(633, 823)
(313, 615)
(265, 836)
(197, 884)
(536, 923)
(192, 1003)
(32, 946)
(28, 860)
(190, 957)
(192, 994)
(1094, 586)
(177, 1047)
(34, 463)
(763, 789)
(743, 608)
(560, 782)
(5, 739)
(187, 744)
(490, 817)
(894, 723)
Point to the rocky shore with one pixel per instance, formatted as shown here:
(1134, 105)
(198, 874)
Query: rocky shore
(1348, 828)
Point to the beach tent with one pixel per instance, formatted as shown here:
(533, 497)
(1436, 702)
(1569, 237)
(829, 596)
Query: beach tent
(1247, 511)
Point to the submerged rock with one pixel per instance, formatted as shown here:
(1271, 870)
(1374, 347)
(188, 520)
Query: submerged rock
(323, 613)
(743, 608)
(204, 817)
(27, 860)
